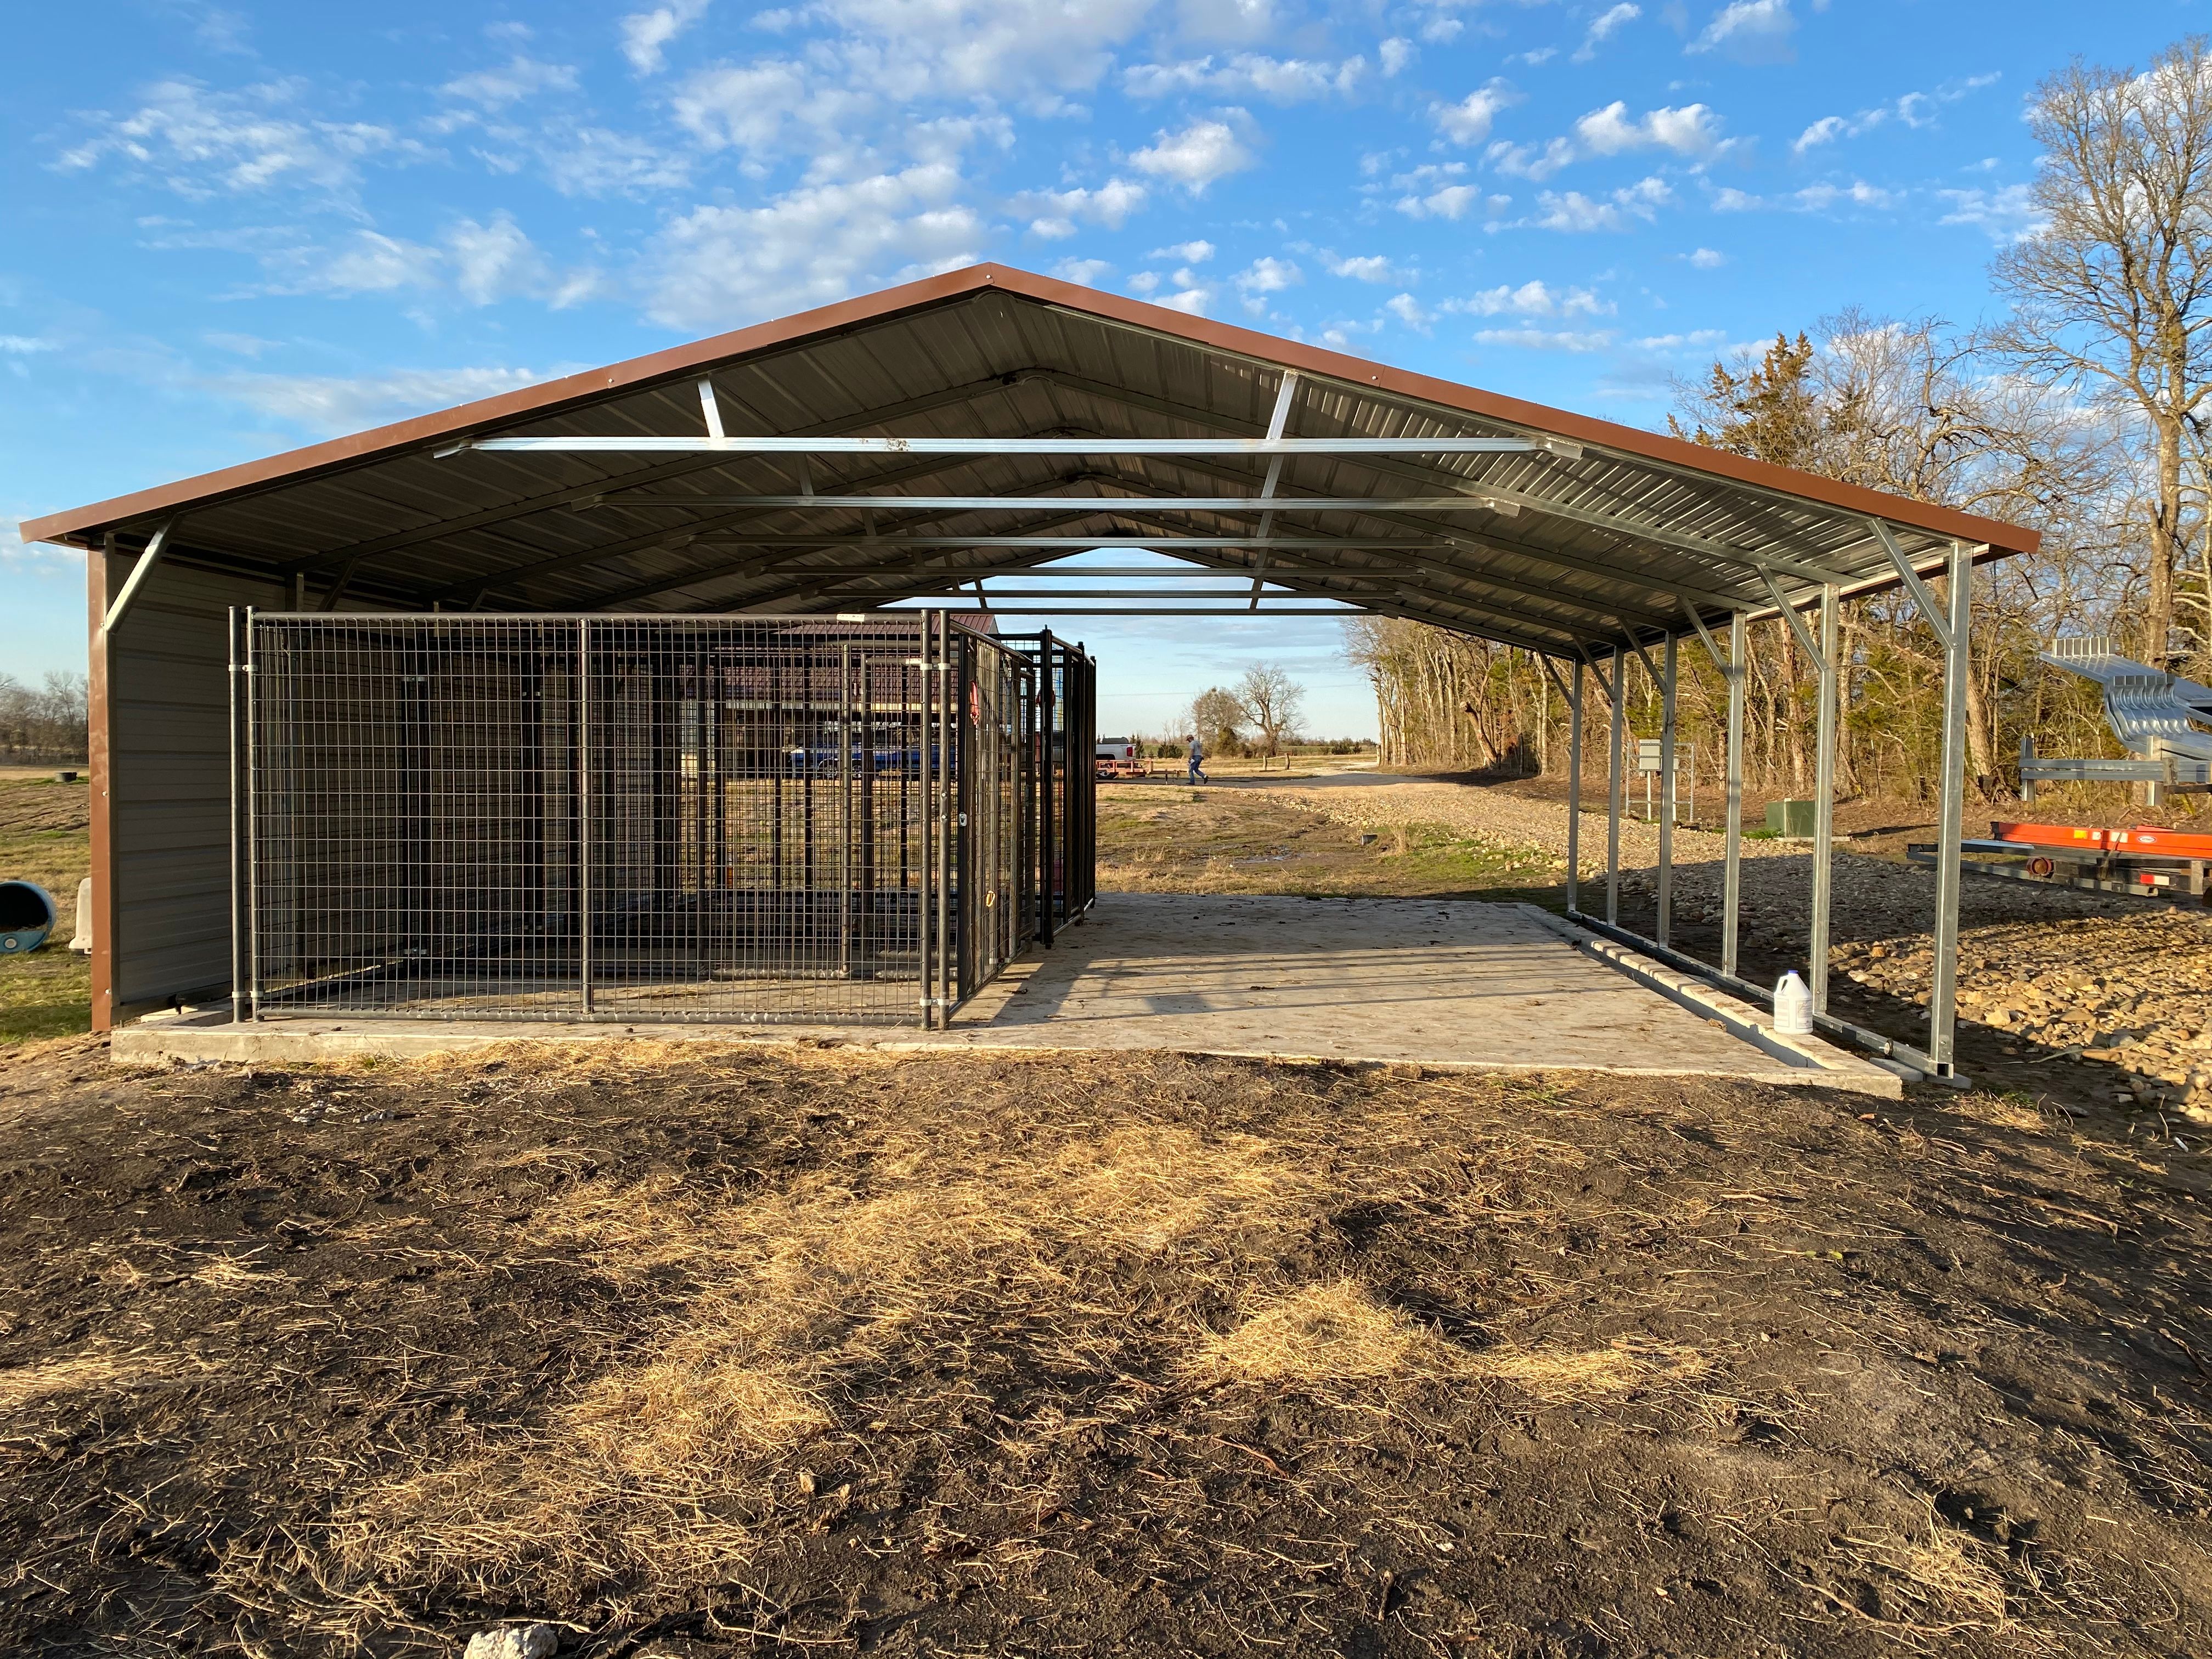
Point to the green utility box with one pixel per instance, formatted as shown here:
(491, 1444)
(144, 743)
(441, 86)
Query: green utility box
(1791, 819)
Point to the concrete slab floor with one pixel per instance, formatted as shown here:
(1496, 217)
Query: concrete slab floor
(1446, 983)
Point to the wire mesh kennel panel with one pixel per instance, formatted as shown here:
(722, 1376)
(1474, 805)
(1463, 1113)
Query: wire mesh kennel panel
(631, 819)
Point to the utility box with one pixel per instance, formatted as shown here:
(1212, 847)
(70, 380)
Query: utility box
(1790, 819)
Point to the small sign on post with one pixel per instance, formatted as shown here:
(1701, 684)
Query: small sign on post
(1647, 763)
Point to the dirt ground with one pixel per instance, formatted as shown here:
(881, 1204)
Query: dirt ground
(703, 1350)
(1154, 838)
(2104, 1000)
(714, 1350)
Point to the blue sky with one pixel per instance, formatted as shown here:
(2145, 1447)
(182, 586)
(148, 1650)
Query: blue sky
(237, 229)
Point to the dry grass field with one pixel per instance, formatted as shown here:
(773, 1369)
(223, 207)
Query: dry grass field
(712, 1350)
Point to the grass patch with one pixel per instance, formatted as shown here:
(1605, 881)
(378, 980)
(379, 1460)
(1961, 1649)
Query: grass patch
(44, 837)
(1158, 841)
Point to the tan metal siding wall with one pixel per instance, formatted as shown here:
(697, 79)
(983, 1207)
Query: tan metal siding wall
(168, 704)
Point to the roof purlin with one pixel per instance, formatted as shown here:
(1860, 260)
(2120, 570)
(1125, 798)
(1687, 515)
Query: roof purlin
(80, 525)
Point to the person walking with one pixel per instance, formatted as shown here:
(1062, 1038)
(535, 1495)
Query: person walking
(1197, 754)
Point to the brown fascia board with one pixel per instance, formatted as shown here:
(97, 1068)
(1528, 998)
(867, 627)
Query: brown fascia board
(80, 526)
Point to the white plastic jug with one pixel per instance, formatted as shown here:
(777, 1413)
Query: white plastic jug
(1793, 1006)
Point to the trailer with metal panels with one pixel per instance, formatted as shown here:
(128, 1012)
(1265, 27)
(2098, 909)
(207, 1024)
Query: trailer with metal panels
(2144, 862)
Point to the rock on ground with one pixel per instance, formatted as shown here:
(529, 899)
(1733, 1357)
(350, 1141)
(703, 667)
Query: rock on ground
(513, 1642)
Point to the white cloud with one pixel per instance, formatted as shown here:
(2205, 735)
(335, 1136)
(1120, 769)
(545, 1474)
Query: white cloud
(1283, 80)
(1361, 268)
(1701, 337)
(1194, 158)
(480, 264)
(1189, 253)
(750, 106)
(522, 78)
(1750, 30)
(334, 403)
(1706, 258)
(1815, 198)
(367, 263)
(1536, 162)
(1574, 211)
(1269, 275)
(202, 144)
(1057, 212)
(25, 345)
(2007, 215)
(718, 266)
(1914, 109)
(1532, 299)
(646, 35)
(1468, 121)
(1826, 130)
(1408, 310)
(598, 161)
(1692, 130)
(1605, 27)
(1396, 53)
(1452, 202)
(1544, 339)
(1190, 292)
(493, 261)
(1086, 271)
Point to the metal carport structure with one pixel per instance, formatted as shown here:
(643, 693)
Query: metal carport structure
(907, 443)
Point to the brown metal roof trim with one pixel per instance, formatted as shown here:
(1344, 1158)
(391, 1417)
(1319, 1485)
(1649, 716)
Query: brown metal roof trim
(80, 526)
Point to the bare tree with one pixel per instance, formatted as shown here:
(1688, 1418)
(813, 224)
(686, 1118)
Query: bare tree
(2113, 292)
(1272, 700)
(44, 723)
(1217, 718)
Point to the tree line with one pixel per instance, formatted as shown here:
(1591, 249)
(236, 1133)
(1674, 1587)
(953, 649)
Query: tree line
(2079, 411)
(44, 722)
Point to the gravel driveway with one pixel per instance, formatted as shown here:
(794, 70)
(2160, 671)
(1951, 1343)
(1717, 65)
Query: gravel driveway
(2122, 981)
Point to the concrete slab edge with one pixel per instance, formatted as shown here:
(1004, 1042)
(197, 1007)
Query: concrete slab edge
(159, 1042)
(1817, 1062)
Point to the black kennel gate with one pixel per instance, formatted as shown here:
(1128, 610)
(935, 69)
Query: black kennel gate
(741, 818)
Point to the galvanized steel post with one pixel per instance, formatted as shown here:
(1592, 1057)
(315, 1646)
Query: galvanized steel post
(238, 845)
(1665, 927)
(1824, 803)
(1942, 990)
(1574, 791)
(925, 915)
(584, 831)
(1612, 800)
(1732, 881)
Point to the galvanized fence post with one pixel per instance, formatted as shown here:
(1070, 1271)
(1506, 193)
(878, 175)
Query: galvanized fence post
(586, 832)
(1732, 878)
(1667, 797)
(1613, 783)
(1824, 805)
(1942, 990)
(1575, 791)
